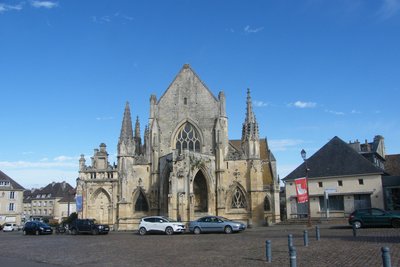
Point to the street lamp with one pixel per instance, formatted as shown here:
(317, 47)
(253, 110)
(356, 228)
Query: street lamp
(304, 156)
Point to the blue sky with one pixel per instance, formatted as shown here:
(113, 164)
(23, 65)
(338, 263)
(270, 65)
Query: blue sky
(316, 69)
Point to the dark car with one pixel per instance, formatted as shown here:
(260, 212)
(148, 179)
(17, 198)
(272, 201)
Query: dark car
(374, 217)
(88, 226)
(36, 228)
(215, 224)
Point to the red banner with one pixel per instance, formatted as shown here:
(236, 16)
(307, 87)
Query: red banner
(301, 189)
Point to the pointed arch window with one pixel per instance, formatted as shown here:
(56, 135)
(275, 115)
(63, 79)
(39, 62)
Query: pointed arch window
(188, 138)
(238, 199)
(267, 204)
(141, 203)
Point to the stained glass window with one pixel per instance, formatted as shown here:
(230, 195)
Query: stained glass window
(188, 138)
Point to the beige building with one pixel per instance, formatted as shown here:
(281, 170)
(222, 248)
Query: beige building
(51, 202)
(186, 168)
(11, 196)
(339, 178)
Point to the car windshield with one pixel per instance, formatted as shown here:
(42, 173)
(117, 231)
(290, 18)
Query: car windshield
(224, 219)
(42, 224)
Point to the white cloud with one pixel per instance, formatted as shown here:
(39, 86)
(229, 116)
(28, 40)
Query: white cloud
(334, 112)
(106, 118)
(283, 144)
(36, 178)
(36, 164)
(5, 7)
(355, 112)
(301, 104)
(389, 9)
(44, 4)
(64, 159)
(116, 17)
(247, 29)
(259, 104)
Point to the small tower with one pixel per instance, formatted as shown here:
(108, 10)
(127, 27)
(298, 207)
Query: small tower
(250, 137)
(126, 143)
(138, 140)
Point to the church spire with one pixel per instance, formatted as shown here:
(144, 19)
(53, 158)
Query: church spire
(250, 118)
(137, 127)
(126, 129)
(126, 142)
(250, 138)
(250, 125)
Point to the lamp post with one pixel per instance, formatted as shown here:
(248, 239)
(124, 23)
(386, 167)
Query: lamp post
(304, 156)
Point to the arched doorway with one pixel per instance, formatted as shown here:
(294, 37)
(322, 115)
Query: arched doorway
(101, 207)
(200, 193)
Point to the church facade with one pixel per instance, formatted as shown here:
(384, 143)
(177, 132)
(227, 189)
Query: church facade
(186, 167)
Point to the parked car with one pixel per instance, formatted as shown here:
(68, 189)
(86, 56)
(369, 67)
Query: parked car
(10, 227)
(215, 224)
(160, 224)
(374, 217)
(88, 226)
(37, 228)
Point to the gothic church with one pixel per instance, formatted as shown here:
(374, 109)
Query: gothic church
(186, 167)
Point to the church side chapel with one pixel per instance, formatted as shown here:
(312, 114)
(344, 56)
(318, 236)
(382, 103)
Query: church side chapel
(186, 167)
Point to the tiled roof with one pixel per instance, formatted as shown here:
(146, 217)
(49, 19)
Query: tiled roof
(392, 164)
(54, 190)
(14, 185)
(336, 158)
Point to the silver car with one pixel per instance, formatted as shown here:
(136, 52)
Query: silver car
(215, 224)
(160, 224)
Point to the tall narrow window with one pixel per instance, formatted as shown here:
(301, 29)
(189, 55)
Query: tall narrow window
(141, 203)
(238, 199)
(267, 204)
(188, 138)
(11, 207)
(185, 101)
(12, 194)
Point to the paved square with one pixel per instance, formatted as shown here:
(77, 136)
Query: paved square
(337, 247)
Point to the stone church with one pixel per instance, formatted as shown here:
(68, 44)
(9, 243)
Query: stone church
(185, 167)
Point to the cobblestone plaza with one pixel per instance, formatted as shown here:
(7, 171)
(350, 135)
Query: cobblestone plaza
(337, 247)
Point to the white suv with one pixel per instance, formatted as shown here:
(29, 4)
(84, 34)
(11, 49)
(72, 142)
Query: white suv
(160, 224)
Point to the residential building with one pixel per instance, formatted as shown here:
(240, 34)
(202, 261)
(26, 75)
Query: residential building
(187, 166)
(339, 174)
(11, 196)
(51, 202)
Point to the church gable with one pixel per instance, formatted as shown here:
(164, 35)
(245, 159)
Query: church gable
(186, 99)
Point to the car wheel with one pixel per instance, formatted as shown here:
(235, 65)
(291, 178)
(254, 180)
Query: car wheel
(196, 231)
(37, 232)
(228, 230)
(357, 224)
(396, 223)
(74, 232)
(169, 230)
(24, 232)
(142, 231)
(95, 232)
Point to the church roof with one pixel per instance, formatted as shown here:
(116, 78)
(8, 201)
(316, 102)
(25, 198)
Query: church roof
(13, 184)
(336, 158)
(185, 71)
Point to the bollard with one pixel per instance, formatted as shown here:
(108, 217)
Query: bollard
(354, 229)
(317, 234)
(290, 240)
(268, 250)
(292, 256)
(305, 237)
(386, 257)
